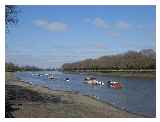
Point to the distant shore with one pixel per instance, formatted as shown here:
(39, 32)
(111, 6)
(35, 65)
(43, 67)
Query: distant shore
(25, 100)
(151, 73)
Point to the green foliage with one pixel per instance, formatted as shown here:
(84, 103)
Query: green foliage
(94, 66)
(10, 67)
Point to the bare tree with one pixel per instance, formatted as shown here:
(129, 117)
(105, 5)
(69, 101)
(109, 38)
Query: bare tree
(10, 16)
(145, 59)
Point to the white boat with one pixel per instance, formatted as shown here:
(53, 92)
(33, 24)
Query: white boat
(67, 79)
(100, 83)
(51, 76)
(93, 81)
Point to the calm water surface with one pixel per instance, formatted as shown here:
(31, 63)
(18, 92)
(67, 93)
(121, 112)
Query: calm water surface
(138, 95)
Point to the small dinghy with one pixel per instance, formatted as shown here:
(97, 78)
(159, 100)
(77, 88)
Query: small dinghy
(87, 78)
(37, 74)
(90, 80)
(67, 79)
(93, 81)
(115, 85)
(100, 83)
(51, 76)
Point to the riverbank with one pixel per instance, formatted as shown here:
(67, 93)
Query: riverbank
(25, 100)
(119, 73)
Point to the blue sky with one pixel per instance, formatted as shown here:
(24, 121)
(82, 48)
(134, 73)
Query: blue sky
(48, 36)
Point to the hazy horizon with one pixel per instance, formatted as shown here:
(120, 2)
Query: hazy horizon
(49, 36)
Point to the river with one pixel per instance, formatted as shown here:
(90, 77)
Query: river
(138, 94)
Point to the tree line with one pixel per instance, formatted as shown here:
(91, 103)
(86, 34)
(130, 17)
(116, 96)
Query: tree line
(10, 67)
(144, 59)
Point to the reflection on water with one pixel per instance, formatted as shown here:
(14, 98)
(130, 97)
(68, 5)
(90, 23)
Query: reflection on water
(138, 95)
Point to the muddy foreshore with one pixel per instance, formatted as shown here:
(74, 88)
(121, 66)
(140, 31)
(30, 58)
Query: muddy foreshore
(23, 100)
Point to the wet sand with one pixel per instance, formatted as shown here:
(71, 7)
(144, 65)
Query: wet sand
(23, 100)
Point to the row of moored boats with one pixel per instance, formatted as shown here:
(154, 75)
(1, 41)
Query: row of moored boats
(94, 81)
(88, 80)
(50, 76)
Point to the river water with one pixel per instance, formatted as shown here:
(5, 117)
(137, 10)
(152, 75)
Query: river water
(138, 94)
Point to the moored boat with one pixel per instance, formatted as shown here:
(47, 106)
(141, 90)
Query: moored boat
(51, 76)
(93, 81)
(115, 84)
(90, 80)
(67, 79)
